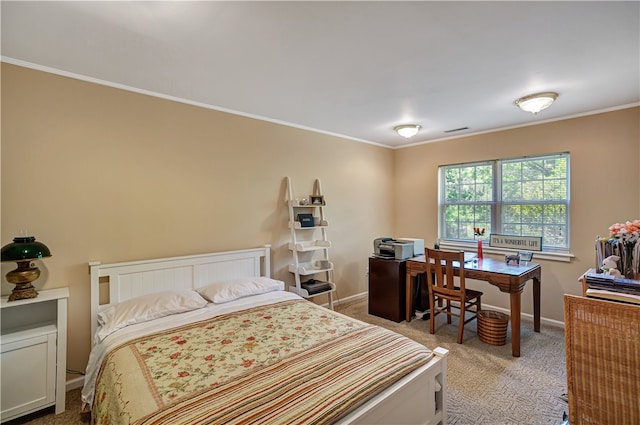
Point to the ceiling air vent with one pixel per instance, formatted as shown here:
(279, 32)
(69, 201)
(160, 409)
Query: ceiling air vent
(456, 129)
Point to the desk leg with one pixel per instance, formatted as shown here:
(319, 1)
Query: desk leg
(515, 323)
(409, 293)
(536, 304)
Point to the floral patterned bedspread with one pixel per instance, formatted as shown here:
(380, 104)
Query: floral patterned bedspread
(288, 363)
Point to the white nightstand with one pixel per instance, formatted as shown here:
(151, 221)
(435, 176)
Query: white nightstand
(33, 353)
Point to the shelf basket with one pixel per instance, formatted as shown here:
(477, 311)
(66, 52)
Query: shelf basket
(492, 327)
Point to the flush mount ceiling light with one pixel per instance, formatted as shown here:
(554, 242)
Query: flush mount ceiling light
(407, 130)
(535, 103)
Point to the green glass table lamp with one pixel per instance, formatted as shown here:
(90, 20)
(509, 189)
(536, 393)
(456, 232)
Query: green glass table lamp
(24, 250)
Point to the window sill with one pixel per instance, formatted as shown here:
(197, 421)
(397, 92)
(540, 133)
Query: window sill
(564, 257)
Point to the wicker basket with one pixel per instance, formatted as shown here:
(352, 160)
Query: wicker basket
(492, 327)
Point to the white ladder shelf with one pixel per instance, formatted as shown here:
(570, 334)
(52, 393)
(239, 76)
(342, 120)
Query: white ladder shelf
(309, 244)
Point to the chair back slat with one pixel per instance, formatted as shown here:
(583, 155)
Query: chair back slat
(445, 275)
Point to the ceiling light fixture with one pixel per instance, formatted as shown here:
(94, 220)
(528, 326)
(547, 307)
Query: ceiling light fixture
(535, 103)
(407, 130)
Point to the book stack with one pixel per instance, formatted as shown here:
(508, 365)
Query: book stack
(600, 285)
(313, 286)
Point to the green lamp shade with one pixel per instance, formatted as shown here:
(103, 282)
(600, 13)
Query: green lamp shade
(24, 248)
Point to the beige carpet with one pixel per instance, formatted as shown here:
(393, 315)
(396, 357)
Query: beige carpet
(486, 384)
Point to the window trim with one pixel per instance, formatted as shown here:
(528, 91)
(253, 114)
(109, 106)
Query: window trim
(552, 252)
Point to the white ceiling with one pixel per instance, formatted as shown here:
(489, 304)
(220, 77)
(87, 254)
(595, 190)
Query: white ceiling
(354, 69)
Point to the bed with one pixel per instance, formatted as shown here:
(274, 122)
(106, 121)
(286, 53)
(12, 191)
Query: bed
(219, 341)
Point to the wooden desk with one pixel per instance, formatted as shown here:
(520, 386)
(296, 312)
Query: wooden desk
(510, 279)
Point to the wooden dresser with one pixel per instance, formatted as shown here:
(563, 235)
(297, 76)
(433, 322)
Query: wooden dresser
(603, 361)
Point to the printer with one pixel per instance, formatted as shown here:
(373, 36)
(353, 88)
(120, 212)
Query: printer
(392, 248)
(418, 245)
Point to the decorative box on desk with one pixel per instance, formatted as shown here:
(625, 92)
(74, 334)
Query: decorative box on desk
(387, 289)
(33, 359)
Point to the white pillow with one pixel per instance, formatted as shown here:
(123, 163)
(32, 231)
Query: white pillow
(147, 307)
(229, 290)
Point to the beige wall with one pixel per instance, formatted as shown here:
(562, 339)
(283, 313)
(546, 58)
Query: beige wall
(103, 174)
(605, 177)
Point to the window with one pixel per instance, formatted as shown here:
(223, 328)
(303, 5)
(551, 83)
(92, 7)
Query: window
(526, 196)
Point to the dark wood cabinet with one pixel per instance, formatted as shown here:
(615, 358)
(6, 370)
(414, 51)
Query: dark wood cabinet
(387, 290)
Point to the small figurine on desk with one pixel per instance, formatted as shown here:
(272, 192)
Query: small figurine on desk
(512, 260)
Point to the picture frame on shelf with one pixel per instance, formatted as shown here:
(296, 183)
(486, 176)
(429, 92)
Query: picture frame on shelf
(316, 199)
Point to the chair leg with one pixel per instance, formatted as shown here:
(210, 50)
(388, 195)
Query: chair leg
(461, 325)
(432, 321)
(448, 311)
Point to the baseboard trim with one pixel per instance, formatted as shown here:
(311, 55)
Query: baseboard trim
(527, 316)
(348, 299)
(74, 383)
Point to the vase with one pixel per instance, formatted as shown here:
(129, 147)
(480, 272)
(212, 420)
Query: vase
(629, 247)
(480, 249)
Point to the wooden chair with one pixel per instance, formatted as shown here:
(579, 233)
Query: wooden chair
(440, 281)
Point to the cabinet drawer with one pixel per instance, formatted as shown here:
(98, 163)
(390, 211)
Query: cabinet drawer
(27, 370)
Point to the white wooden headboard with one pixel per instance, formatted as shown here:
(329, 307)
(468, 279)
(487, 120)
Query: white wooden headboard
(135, 278)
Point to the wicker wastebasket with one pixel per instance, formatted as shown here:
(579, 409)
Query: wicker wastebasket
(492, 327)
